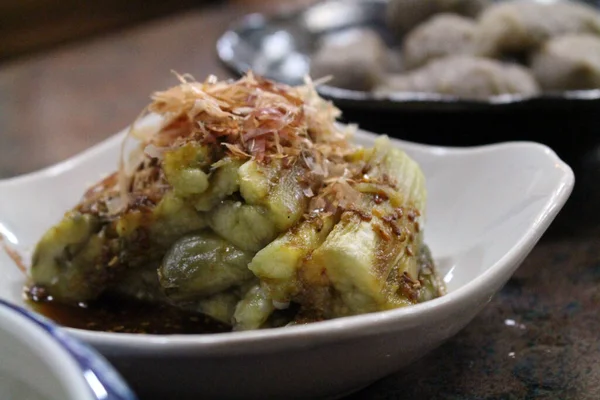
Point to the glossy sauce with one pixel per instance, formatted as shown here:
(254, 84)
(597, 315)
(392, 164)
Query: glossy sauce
(114, 314)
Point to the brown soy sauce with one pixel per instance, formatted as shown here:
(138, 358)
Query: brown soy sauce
(117, 314)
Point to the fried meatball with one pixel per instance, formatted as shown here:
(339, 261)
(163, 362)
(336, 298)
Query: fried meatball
(465, 77)
(519, 26)
(403, 15)
(442, 35)
(356, 59)
(568, 62)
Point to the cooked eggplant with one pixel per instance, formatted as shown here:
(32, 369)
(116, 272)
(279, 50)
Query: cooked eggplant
(202, 264)
(249, 205)
(253, 310)
(66, 258)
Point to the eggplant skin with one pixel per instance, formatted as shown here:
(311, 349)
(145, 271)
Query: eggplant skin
(202, 264)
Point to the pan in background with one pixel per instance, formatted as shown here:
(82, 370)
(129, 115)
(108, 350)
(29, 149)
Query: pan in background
(279, 47)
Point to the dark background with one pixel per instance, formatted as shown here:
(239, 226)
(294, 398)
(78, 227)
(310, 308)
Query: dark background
(31, 26)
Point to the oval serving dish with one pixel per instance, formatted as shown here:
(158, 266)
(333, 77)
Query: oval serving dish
(487, 208)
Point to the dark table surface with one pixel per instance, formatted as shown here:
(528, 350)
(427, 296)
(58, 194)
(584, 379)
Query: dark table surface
(539, 338)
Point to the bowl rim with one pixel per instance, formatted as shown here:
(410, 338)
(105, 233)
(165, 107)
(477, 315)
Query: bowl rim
(348, 97)
(82, 373)
(339, 328)
(71, 380)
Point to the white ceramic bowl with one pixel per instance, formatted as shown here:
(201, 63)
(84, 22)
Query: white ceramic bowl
(40, 361)
(487, 208)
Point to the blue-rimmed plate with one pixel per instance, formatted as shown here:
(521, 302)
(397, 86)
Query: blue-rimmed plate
(40, 361)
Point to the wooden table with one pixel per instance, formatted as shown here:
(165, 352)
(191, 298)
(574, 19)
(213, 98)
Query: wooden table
(539, 338)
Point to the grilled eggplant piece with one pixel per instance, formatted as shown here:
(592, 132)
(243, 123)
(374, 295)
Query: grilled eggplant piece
(278, 264)
(253, 310)
(251, 206)
(67, 257)
(220, 306)
(90, 252)
(202, 264)
(359, 264)
(224, 181)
